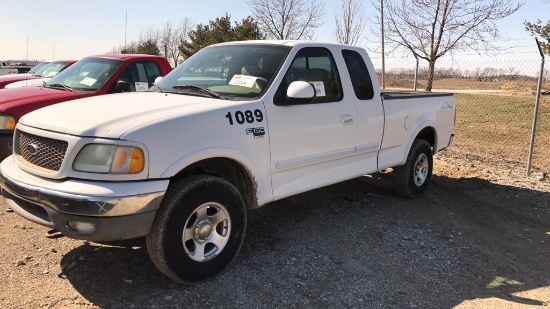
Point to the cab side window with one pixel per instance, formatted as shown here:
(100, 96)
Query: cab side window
(359, 74)
(139, 75)
(315, 65)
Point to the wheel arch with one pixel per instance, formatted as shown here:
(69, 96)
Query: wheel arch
(426, 132)
(224, 164)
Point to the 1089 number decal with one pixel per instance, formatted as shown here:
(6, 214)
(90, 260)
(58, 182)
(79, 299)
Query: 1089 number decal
(246, 116)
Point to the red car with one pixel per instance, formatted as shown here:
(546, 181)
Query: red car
(90, 76)
(49, 70)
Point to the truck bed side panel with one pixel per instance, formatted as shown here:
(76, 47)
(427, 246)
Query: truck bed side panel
(408, 114)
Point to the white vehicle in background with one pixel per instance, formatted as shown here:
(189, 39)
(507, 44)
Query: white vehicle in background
(34, 70)
(6, 69)
(234, 127)
(41, 75)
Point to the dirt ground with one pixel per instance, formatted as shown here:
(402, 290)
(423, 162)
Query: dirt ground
(478, 238)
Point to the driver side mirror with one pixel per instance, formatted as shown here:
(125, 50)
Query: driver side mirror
(300, 92)
(122, 86)
(157, 79)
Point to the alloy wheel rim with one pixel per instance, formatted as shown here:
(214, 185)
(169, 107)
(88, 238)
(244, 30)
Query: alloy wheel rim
(421, 168)
(206, 231)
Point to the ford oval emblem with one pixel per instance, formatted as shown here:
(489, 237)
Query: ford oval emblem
(32, 149)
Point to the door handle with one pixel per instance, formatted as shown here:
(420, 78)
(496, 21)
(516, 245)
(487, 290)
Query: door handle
(347, 119)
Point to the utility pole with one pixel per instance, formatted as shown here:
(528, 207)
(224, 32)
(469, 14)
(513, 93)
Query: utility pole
(125, 27)
(383, 53)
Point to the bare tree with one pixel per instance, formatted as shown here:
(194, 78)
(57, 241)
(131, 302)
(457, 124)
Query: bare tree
(433, 28)
(287, 19)
(350, 22)
(150, 35)
(173, 37)
(512, 73)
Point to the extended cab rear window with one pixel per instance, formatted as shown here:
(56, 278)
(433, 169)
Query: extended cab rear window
(359, 74)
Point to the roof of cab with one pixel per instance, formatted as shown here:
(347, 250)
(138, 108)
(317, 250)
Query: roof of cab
(282, 42)
(125, 56)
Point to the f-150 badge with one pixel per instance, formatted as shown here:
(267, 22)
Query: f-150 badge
(256, 132)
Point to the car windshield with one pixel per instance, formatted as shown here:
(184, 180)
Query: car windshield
(227, 72)
(88, 74)
(38, 67)
(51, 69)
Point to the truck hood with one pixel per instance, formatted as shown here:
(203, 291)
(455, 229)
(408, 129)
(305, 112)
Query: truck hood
(8, 79)
(31, 82)
(111, 116)
(11, 98)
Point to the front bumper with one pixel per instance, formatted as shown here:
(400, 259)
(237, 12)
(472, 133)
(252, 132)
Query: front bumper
(90, 210)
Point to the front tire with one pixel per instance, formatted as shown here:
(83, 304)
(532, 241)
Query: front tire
(198, 230)
(412, 179)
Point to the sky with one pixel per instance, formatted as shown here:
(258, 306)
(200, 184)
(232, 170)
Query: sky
(68, 29)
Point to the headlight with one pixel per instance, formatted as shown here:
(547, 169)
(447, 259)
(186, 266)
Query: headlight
(105, 159)
(7, 122)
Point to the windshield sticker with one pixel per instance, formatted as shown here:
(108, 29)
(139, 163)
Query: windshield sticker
(51, 74)
(243, 80)
(88, 81)
(141, 86)
(84, 73)
(319, 88)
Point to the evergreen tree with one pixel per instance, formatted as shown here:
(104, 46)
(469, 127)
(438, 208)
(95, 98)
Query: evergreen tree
(543, 31)
(220, 30)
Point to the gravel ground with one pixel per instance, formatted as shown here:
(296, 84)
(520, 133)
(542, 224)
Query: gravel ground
(478, 238)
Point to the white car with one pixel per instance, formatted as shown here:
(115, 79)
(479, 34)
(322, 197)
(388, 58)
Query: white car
(42, 75)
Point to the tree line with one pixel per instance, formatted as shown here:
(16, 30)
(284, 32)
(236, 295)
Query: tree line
(427, 29)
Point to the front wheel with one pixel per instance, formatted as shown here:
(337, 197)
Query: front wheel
(198, 230)
(412, 179)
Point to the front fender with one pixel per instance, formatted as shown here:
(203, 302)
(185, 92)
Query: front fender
(260, 177)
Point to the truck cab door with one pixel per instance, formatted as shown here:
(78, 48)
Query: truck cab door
(311, 142)
(370, 119)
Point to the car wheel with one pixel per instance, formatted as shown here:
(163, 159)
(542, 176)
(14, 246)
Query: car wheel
(198, 229)
(412, 179)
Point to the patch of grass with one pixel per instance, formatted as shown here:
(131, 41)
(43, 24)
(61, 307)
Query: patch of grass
(500, 125)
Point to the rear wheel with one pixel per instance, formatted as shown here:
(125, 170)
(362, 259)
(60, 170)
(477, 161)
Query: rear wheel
(412, 179)
(198, 230)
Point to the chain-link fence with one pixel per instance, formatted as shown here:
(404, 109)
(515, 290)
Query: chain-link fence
(495, 104)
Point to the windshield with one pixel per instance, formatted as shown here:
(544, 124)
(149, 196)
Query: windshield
(51, 69)
(88, 74)
(38, 67)
(231, 72)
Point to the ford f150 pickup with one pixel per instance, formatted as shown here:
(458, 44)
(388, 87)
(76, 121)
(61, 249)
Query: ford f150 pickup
(234, 127)
(37, 77)
(91, 76)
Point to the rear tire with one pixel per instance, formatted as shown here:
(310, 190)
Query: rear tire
(412, 179)
(198, 229)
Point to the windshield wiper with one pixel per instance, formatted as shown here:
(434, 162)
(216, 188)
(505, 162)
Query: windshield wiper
(200, 89)
(65, 87)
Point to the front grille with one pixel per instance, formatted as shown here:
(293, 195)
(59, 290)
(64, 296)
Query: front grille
(40, 151)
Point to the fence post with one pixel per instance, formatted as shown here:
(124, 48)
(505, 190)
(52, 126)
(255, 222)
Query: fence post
(415, 71)
(535, 116)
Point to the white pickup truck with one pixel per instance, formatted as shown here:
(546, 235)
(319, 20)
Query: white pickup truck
(234, 127)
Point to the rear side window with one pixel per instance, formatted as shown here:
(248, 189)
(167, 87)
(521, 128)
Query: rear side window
(359, 74)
